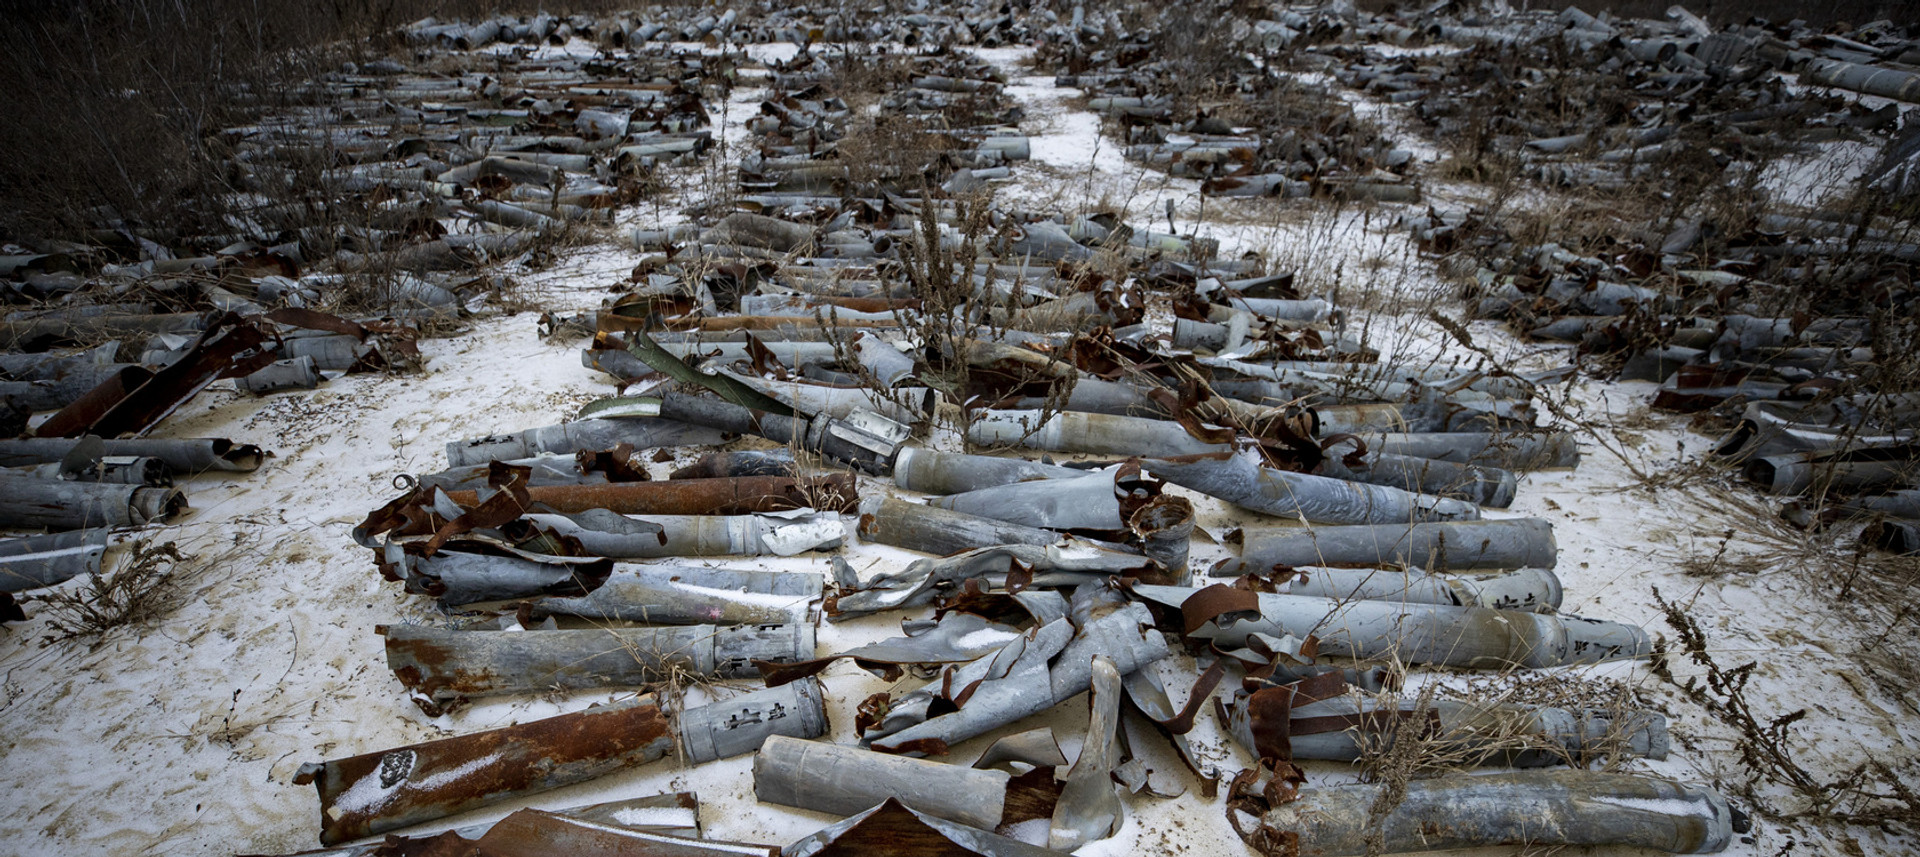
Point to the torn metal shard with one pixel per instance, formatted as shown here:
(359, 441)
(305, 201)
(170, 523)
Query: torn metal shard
(1089, 808)
(1054, 564)
(1540, 808)
(376, 792)
(1016, 684)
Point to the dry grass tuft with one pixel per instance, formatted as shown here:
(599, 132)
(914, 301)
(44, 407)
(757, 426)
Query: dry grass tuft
(145, 587)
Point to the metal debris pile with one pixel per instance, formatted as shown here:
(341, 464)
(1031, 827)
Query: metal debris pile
(855, 352)
(1786, 334)
(837, 342)
(1219, 111)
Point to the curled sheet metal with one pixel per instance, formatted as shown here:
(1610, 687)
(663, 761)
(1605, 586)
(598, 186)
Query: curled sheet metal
(376, 792)
(1435, 546)
(893, 828)
(1027, 676)
(843, 780)
(923, 579)
(446, 667)
(1539, 808)
(1089, 807)
(39, 561)
(739, 725)
(1241, 479)
(733, 496)
(687, 595)
(1472, 637)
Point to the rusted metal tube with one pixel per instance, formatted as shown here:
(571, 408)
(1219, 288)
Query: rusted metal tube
(184, 456)
(930, 529)
(713, 465)
(38, 561)
(1241, 479)
(578, 436)
(933, 472)
(1491, 487)
(1094, 501)
(1532, 589)
(1075, 431)
(1508, 451)
(54, 504)
(842, 780)
(1436, 546)
(1471, 637)
(1352, 725)
(737, 496)
(447, 666)
(1847, 471)
(604, 533)
(1884, 82)
(732, 727)
(458, 578)
(376, 792)
(684, 595)
(1536, 808)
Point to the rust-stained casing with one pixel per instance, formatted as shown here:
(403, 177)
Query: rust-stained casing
(376, 792)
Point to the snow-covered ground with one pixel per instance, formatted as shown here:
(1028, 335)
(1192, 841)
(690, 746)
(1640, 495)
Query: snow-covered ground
(182, 737)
